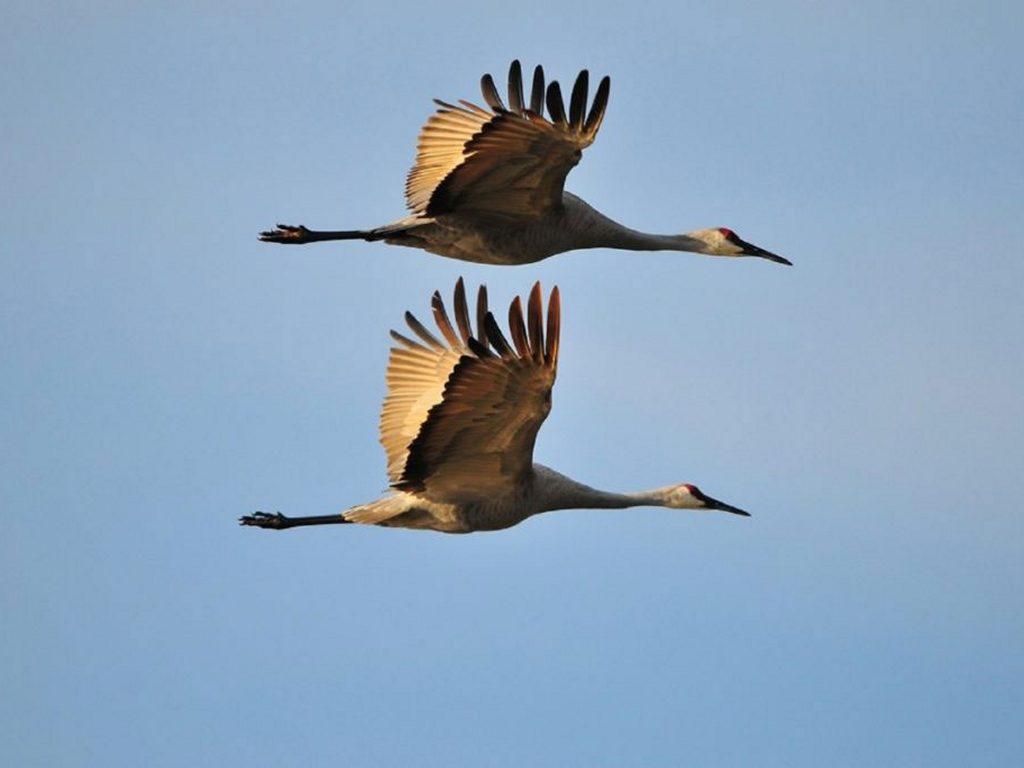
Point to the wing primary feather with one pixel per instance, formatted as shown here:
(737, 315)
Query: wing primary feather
(554, 327)
(506, 161)
(535, 319)
(578, 101)
(491, 94)
(472, 109)
(497, 338)
(517, 328)
(422, 332)
(481, 314)
(479, 348)
(443, 323)
(537, 91)
(556, 106)
(515, 87)
(597, 109)
(462, 312)
(406, 341)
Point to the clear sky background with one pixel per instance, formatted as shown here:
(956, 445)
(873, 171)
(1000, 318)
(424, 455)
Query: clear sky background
(163, 373)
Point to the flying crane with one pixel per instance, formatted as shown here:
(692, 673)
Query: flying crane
(487, 184)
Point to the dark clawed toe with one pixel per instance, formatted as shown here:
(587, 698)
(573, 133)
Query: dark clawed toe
(285, 233)
(263, 520)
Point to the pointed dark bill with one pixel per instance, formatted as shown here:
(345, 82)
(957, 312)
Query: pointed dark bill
(710, 503)
(749, 249)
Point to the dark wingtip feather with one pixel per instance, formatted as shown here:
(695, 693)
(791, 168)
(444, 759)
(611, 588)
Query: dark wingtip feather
(517, 328)
(462, 312)
(490, 93)
(515, 87)
(537, 92)
(578, 100)
(496, 337)
(599, 106)
(442, 321)
(405, 341)
(419, 329)
(556, 105)
(481, 314)
(479, 349)
(535, 319)
(554, 327)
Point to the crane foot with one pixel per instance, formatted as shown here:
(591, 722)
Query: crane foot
(265, 520)
(286, 234)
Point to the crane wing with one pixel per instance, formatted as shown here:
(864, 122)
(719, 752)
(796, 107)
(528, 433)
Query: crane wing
(461, 416)
(505, 161)
(416, 377)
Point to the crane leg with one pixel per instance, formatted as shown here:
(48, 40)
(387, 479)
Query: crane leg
(279, 522)
(300, 235)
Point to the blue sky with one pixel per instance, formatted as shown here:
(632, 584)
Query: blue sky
(165, 373)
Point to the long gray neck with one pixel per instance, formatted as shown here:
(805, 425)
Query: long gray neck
(598, 231)
(632, 240)
(556, 491)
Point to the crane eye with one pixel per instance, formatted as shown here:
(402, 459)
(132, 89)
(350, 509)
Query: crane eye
(696, 492)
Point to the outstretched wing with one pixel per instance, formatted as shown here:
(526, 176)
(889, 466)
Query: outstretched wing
(506, 161)
(461, 416)
(417, 374)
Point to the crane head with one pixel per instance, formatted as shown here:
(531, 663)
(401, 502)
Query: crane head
(722, 241)
(689, 496)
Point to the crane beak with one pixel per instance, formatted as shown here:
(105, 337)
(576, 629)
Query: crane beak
(710, 503)
(749, 249)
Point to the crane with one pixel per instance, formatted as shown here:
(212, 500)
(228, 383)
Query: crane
(487, 184)
(459, 423)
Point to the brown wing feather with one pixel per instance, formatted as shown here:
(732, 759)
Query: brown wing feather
(554, 327)
(478, 439)
(537, 91)
(490, 93)
(505, 162)
(481, 311)
(416, 377)
(443, 323)
(597, 109)
(517, 329)
(578, 101)
(515, 88)
(535, 319)
(420, 330)
(556, 105)
(462, 312)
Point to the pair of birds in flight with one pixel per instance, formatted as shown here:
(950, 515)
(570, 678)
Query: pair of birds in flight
(462, 413)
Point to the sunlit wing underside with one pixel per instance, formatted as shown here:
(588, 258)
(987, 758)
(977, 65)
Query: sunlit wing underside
(506, 161)
(462, 414)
